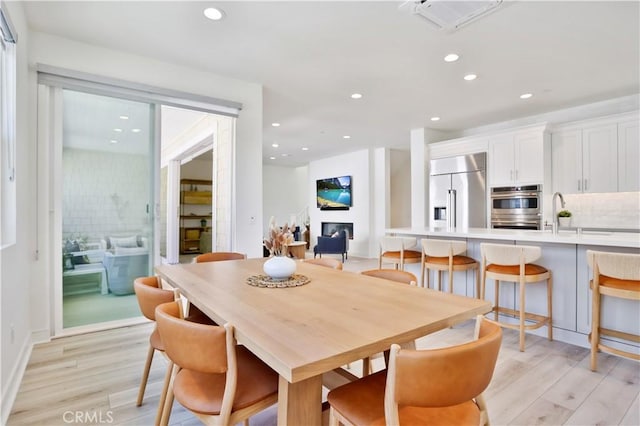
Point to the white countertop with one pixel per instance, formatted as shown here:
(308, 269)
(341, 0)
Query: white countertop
(595, 238)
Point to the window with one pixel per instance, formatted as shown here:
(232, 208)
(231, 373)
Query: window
(7, 132)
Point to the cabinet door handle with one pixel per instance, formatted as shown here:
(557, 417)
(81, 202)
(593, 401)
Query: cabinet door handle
(510, 174)
(586, 184)
(516, 174)
(579, 184)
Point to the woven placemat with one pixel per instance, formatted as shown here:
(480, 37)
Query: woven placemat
(294, 280)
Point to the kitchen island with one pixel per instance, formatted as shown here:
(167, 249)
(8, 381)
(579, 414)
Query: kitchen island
(565, 255)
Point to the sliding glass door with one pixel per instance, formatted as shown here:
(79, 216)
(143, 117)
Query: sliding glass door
(107, 236)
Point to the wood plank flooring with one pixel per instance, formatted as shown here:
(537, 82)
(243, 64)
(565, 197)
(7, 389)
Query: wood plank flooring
(94, 378)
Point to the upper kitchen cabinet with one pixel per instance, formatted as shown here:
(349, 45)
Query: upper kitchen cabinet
(628, 156)
(517, 158)
(596, 156)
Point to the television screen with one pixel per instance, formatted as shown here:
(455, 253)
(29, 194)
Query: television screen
(333, 192)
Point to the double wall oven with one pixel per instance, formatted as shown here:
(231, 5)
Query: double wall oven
(516, 207)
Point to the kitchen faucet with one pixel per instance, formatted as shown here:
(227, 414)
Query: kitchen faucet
(555, 224)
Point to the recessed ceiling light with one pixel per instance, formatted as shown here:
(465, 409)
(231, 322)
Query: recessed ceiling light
(356, 96)
(275, 145)
(470, 77)
(285, 155)
(275, 124)
(213, 13)
(113, 141)
(451, 57)
(526, 95)
(135, 130)
(346, 137)
(117, 130)
(124, 117)
(435, 118)
(272, 158)
(304, 148)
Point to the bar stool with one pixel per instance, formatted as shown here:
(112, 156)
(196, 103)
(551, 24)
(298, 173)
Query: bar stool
(615, 275)
(396, 250)
(503, 262)
(447, 255)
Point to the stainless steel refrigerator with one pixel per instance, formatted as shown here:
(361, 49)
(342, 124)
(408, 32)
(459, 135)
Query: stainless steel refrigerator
(458, 192)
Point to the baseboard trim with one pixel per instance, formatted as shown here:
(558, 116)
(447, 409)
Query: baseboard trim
(13, 384)
(41, 336)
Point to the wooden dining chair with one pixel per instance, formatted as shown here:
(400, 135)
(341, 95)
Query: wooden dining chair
(397, 250)
(506, 262)
(614, 275)
(435, 386)
(150, 294)
(214, 378)
(392, 275)
(449, 256)
(396, 275)
(327, 262)
(218, 256)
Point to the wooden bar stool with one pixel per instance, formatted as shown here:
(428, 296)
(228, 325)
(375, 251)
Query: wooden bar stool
(447, 255)
(510, 263)
(396, 250)
(615, 275)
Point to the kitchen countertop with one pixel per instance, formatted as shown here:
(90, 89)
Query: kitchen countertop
(587, 237)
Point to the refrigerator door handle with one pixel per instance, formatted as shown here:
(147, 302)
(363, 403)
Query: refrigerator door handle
(451, 216)
(448, 208)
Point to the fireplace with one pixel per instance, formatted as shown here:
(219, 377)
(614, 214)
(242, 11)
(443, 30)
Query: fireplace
(329, 228)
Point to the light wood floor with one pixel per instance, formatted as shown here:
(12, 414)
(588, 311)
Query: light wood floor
(96, 376)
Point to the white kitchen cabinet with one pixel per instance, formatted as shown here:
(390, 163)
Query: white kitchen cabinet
(585, 160)
(566, 161)
(596, 156)
(600, 158)
(628, 156)
(516, 158)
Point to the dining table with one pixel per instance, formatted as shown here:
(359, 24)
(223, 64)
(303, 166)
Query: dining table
(305, 331)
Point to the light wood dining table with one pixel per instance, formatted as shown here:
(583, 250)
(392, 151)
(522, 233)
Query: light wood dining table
(306, 331)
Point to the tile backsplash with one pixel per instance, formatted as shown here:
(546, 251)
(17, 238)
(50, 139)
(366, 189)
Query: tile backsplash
(608, 210)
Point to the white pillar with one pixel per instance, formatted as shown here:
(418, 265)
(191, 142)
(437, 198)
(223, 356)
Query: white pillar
(419, 187)
(420, 138)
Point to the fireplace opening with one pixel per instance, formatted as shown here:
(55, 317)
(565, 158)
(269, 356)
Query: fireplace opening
(330, 228)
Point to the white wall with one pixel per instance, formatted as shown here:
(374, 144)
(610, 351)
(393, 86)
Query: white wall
(285, 191)
(26, 285)
(354, 164)
(400, 193)
(17, 262)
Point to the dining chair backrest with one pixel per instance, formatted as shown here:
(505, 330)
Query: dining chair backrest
(191, 345)
(392, 275)
(441, 377)
(326, 262)
(219, 255)
(443, 248)
(623, 266)
(150, 294)
(389, 243)
(507, 254)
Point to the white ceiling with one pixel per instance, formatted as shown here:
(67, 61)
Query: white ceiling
(310, 56)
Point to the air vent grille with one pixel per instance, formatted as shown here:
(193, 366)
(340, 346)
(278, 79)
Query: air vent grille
(450, 15)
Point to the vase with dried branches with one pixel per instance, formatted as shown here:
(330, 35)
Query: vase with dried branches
(279, 266)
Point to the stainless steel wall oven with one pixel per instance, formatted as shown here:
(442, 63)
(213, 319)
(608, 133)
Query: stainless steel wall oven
(516, 207)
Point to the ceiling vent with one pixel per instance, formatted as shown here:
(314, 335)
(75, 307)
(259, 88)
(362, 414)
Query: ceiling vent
(450, 14)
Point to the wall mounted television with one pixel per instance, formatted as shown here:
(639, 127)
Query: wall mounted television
(334, 193)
